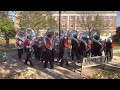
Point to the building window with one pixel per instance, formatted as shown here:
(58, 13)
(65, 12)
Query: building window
(105, 26)
(93, 17)
(64, 17)
(110, 34)
(85, 18)
(63, 26)
(105, 17)
(111, 17)
(56, 17)
(80, 18)
(72, 18)
(71, 26)
(110, 25)
(80, 25)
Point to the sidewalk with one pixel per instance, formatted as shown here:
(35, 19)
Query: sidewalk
(116, 51)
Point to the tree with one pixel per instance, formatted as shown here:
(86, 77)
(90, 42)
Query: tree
(36, 20)
(88, 24)
(7, 27)
(118, 32)
(98, 24)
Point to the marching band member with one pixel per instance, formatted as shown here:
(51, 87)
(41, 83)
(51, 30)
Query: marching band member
(27, 46)
(97, 46)
(82, 48)
(64, 51)
(19, 45)
(109, 48)
(36, 48)
(48, 41)
(75, 45)
(56, 40)
(60, 47)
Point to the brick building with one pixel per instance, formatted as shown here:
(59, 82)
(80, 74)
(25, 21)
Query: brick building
(71, 20)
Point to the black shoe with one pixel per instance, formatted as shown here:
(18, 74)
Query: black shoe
(67, 64)
(25, 63)
(61, 65)
(51, 67)
(45, 67)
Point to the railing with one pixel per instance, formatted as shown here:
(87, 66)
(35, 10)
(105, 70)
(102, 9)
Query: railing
(92, 61)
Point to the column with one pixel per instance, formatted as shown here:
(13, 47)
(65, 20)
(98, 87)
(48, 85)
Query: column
(68, 23)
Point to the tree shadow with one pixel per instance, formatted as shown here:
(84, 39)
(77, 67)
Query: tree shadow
(14, 65)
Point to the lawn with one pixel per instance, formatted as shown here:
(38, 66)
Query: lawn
(4, 47)
(117, 46)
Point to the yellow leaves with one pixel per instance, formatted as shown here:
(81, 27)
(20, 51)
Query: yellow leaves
(108, 74)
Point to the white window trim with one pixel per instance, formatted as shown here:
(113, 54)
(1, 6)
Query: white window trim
(111, 18)
(72, 18)
(85, 18)
(93, 18)
(64, 18)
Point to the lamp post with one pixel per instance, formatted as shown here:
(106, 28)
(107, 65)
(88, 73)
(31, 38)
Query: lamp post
(59, 22)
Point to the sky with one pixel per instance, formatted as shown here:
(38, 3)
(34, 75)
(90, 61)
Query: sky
(11, 13)
(118, 19)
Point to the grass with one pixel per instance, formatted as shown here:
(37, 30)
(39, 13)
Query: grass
(107, 74)
(4, 47)
(117, 46)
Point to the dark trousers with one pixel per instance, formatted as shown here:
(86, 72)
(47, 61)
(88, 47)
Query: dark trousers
(37, 53)
(28, 53)
(75, 53)
(97, 52)
(20, 52)
(48, 58)
(60, 54)
(64, 57)
(110, 52)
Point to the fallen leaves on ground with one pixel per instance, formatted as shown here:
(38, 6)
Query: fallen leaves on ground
(108, 74)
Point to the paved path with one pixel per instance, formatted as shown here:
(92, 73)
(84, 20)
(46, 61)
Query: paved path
(14, 68)
(116, 51)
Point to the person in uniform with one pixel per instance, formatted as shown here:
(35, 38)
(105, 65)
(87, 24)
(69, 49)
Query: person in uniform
(96, 46)
(75, 45)
(48, 41)
(63, 51)
(109, 48)
(27, 48)
(82, 48)
(36, 49)
(19, 45)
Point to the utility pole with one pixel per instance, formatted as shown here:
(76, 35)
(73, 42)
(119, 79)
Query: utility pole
(59, 22)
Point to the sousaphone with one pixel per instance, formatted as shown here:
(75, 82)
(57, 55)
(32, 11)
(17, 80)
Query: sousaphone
(30, 32)
(83, 36)
(72, 33)
(94, 33)
(21, 35)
